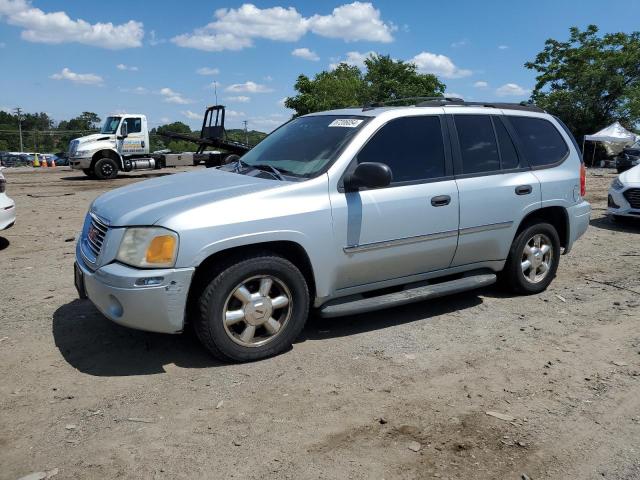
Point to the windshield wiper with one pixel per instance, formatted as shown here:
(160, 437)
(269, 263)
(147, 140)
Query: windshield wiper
(269, 169)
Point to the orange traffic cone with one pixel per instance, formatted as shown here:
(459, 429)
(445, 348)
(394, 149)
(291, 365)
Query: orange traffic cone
(36, 162)
(53, 162)
(43, 163)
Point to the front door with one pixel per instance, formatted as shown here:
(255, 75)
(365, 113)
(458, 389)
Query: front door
(134, 144)
(409, 227)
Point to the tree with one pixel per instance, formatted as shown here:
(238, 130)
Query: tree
(589, 81)
(347, 86)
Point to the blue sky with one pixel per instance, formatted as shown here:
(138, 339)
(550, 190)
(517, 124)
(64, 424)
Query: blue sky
(160, 58)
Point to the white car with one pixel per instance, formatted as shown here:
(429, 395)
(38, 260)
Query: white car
(624, 195)
(7, 206)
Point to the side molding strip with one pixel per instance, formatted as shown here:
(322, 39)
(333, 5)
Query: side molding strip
(400, 241)
(485, 228)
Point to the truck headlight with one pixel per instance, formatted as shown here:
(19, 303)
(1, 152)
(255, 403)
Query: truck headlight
(148, 247)
(83, 153)
(617, 184)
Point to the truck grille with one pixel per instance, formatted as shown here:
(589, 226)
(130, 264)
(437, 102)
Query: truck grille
(633, 197)
(73, 147)
(94, 237)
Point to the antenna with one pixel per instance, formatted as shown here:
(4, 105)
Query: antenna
(215, 90)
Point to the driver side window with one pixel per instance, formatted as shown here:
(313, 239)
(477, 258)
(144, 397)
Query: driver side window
(411, 146)
(134, 125)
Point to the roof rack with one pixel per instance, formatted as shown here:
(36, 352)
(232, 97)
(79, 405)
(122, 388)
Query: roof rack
(445, 101)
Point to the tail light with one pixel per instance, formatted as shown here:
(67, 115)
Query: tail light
(583, 180)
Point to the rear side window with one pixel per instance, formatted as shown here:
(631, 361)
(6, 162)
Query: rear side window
(411, 146)
(508, 155)
(542, 143)
(477, 144)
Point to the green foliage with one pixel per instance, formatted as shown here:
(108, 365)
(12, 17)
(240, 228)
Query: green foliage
(237, 135)
(347, 86)
(590, 81)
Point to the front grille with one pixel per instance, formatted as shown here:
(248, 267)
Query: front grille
(73, 147)
(94, 236)
(633, 197)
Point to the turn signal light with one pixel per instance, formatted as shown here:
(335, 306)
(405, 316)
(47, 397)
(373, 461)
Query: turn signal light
(161, 249)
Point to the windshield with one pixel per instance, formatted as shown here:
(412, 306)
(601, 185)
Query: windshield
(110, 125)
(306, 146)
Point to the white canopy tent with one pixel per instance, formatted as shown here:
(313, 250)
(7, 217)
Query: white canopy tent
(614, 137)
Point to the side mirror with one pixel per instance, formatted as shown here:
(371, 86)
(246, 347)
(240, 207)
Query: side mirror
(123, 130)
(368, 175)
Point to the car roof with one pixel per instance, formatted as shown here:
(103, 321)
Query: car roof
(478, 108)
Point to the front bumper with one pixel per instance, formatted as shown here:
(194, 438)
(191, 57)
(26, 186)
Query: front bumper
(616, 198)
(579, 217)
(117, 291)
(7, 213)
(80, 163)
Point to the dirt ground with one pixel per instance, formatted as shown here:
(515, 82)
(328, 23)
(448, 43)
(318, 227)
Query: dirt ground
(402, 393)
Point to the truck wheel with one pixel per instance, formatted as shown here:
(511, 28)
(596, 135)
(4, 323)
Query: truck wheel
(533, 259)
(253, 309)
(106, 168)
(88, 172)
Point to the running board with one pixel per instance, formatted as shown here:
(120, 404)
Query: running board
(409, 295)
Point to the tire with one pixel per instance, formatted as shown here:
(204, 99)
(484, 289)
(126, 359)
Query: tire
(520, 280)
(105, 169)
(88, 172)
(254, 336)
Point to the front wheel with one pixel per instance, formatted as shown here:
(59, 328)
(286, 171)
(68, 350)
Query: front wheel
(533, 259)
(106, 168)
(253, 309)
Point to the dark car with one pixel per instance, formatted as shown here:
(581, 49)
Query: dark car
(629, 157)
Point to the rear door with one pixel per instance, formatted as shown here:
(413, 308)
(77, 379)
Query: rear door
(496, 187)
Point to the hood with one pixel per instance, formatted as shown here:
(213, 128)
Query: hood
(145, 203)
(631, 176)
(96, 137)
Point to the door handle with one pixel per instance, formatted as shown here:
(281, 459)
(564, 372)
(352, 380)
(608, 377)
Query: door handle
(441, 200)
(524, 190)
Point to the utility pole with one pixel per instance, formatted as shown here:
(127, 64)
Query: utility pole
(18, 111)
(246, 133)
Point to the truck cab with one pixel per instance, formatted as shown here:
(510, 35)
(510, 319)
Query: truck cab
(121, 145)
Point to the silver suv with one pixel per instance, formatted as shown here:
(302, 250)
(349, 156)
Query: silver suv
(341, 212)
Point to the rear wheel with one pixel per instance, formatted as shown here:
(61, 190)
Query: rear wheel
(533, 259)
(253, 309)
(106, 168)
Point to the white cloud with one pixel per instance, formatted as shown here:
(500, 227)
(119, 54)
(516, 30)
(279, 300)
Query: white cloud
(174, 97)
(165, 119)
(503, 47)
(439, 65)
(192, 115)
(58, 27)
(154, 40)
(136, 90)
(234, 114)
(207, 71)
(122, 66)
(239, 99)
(236, 28)
(511, 90)
(82, 78)
(481, 84)
(248, 87)
(460, 43)
(355, 59)
(355, 21)
(306, 54)
(453, 94)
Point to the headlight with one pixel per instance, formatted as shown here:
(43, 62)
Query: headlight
(83, 153)
(617, 184)
(148, 247)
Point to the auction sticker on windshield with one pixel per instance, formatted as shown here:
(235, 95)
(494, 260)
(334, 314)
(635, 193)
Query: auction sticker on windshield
(346, 122)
